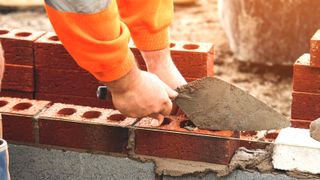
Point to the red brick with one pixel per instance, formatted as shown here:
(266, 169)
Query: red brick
(77, 100)
(194, 60)
(18, 78)
(18, 94)
(51, 54)
(305, 106)
(18, 118)
(172, 141)
(62, 82)
(305, 77)
(257, 139)
(18, 45)
(19, 55)
(300, 124)
(315, 49)
(255, 144)
(85, 128)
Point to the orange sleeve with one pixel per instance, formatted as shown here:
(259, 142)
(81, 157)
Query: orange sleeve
(97, 41)
(148, 21)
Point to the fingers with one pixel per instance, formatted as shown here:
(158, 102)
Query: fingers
(157, 119)
(167, 108)
(172, 93)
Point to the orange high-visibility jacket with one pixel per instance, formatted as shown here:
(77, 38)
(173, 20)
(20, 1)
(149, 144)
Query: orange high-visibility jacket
(96, 37)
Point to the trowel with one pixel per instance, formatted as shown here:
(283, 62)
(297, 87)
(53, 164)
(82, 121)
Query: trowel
(213, 104)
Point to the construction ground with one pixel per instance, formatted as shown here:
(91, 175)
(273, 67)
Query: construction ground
(198, 23)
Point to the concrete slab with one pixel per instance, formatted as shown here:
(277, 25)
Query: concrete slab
(295, 150)
(28, 163)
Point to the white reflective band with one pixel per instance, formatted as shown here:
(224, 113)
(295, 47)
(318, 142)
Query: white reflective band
(79, 6)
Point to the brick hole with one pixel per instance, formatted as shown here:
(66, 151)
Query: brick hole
(23, 34)
(272, 135)
(117, 117)
(187, 124)
(66, 111)
(3, 103)
(91, 114)
(22, 106)
(166, 121)
(172, 45)
(54, 38)
(190, 46)
(249, 133)
(3, 32)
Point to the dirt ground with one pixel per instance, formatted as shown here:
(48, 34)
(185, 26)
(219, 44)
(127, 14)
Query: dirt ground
(198, 23)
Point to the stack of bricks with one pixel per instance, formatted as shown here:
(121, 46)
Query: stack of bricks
(19, 76)
(91, 129)
(47, 73)
(59, 78)
(100, 130)
(306, 86)
(38, 66)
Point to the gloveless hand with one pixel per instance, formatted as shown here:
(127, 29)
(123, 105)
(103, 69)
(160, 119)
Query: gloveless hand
(140, 94)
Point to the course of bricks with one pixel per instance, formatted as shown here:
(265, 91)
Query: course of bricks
(39, 68)
(306, 86)
(47, 71)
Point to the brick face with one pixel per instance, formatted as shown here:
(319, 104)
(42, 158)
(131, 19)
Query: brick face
(18, 94)
(306, 78)
(18, 118)
(300, 124)
(61, 82)
(172, 141)
(78, 100)
(315, 49)
(194, 60)
(51, 54)
(305, 106)
(18, 78)
(87, 128)
(18, 45)
(83, 136)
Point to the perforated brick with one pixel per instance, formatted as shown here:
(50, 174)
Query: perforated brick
(18, 45)
(194, 60)
(171, 140)
(315, 49)
(82, 127)
(18, 118)
(306, 78)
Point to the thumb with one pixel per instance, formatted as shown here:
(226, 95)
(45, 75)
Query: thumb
(171, 93)
(157, 119)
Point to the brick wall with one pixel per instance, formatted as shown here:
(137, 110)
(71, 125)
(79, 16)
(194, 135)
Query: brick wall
(39, 68)
(306, 86)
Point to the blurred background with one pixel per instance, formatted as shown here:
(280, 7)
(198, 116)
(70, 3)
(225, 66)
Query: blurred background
(256, 41)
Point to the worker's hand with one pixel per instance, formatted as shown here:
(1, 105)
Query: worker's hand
(160, 63)
(140, 94)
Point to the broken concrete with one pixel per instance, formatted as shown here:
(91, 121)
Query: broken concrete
(259, 160)
(315, 129)
(295, 150)
(174, 167)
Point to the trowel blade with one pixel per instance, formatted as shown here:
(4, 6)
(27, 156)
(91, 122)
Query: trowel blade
(211, 103)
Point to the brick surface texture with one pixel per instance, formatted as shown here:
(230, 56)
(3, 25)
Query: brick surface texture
(306, 86)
